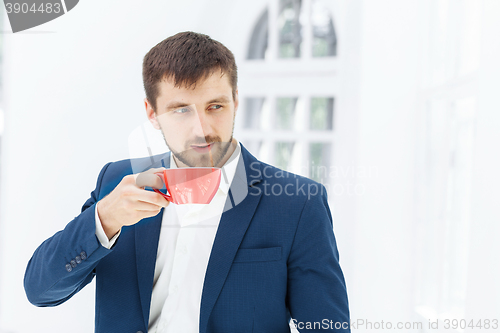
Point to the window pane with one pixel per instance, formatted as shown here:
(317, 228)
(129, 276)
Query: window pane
(285, 112)
(283, 151)
(289, 26)
(253, 112)
(258, 41)
(321, 113)
(324, 38)
(319, 154)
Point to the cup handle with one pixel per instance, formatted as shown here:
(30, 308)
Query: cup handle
(165, 195)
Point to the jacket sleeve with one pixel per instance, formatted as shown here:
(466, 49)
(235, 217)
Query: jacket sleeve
(316, 291)
(64, 264)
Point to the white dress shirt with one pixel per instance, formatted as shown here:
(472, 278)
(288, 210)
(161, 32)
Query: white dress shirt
(186, 238)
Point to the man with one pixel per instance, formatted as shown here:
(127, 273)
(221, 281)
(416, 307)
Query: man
(260, 253)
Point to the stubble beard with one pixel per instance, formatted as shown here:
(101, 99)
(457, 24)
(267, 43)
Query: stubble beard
(219, 150)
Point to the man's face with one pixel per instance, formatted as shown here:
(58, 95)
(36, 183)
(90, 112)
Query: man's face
(198, 123)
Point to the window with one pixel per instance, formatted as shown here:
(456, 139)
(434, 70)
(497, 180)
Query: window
(289, 25)
(258, 41)
(324, 42)
(289, 85)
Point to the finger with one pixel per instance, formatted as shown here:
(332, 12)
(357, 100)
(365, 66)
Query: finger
(153, 198)
(148, 179)
(155, 170)
(142, 206)
(142, 214)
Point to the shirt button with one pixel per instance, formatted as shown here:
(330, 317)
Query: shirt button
(73, 263)
(78, 259)
(175, 289)
(69, 268)
(83, 255)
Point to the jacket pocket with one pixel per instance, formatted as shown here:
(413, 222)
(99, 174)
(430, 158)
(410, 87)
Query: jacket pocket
(253, 255)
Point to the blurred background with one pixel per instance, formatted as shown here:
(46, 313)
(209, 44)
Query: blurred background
(393, 105)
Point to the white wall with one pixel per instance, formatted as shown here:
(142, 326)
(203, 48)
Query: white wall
(381, 280)
(73, 93)
(484, 261)
(398, 53)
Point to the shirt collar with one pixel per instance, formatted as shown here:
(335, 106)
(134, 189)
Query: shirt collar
(228, 169)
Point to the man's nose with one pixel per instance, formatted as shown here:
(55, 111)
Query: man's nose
(201, 126)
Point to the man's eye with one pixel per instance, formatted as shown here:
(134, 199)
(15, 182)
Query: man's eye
(182, 110)
(218, 107)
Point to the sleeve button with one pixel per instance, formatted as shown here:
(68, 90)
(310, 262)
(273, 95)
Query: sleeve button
(69, 268)
(73, 263)
(78, 259)
(83, 255)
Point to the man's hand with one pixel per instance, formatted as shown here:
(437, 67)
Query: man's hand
(129, 203)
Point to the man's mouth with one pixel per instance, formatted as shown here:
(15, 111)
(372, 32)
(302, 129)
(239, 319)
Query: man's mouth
(202, 148)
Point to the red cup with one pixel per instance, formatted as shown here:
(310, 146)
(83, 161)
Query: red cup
(190, 185)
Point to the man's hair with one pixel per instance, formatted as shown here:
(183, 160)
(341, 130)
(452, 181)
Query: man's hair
(186, 57)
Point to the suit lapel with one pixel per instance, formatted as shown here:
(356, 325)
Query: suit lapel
(147, 233)
(232, 227)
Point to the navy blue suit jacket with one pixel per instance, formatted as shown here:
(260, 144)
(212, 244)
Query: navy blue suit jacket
(274, 257)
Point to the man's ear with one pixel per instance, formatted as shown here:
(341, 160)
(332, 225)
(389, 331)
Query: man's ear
(150, 112)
